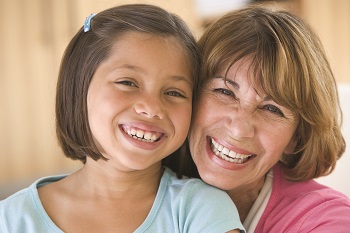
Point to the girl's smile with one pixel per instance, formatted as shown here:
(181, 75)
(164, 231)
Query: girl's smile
(147, 139)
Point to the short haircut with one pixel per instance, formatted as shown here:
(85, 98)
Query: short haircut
(87, 50)
(289, 63)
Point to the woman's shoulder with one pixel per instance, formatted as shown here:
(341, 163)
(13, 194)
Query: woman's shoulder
(304, 189)
(303, 206)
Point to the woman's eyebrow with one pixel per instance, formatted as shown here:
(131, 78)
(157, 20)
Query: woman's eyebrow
(267, 98)
(227, 80)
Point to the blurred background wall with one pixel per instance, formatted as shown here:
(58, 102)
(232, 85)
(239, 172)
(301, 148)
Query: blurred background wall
(35, 33)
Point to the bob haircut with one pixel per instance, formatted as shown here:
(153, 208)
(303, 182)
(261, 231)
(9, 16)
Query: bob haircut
(289, 63)
(87, 50)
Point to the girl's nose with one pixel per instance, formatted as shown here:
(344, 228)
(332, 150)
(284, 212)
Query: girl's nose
(150, 107)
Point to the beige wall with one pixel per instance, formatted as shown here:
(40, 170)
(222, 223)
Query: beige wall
(33, 36)
(331, 20)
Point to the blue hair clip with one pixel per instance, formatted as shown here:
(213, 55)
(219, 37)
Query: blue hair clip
(87, 23)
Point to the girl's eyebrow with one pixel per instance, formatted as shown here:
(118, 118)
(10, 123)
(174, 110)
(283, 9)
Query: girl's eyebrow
(129, 67)
(227, 80)
(140, 70)
(181, 79)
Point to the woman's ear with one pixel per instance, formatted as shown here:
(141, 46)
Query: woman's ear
(290, 148)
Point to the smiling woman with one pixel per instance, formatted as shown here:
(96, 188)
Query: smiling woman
(267, 122)
(247, 115)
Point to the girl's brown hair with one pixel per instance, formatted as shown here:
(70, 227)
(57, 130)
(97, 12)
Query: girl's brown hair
(87, 50)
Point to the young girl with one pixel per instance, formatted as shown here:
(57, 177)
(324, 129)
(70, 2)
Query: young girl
(123, 104)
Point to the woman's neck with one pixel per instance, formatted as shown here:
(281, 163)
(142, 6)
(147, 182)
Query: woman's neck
(245, 196)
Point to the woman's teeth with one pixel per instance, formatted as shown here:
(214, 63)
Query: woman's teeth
(226, 154)
(142, 135)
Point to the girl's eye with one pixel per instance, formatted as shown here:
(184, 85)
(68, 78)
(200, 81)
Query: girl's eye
(175, 94)
(127, 83)
(274, 110)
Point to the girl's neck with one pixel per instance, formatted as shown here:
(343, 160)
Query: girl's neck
(99, 198)
(110, 182)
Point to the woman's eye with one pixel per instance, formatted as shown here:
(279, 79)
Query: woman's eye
(274, 109)
(225, 91)
(175, 94)
(126, 83)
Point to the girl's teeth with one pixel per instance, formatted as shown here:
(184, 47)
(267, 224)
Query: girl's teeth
(141, 135)
(154, 137)
(147, 136)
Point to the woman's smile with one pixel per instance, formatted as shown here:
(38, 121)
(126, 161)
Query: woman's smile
(227, 154)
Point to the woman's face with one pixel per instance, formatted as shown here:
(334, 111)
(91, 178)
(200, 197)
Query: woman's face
(238, 133)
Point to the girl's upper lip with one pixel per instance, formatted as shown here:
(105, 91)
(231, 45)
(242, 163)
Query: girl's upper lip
(145, 127)
(231, 147)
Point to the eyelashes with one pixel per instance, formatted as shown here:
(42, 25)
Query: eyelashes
(131, 84)
(127, 83)
(225, 92)
(175, 94)
(273, 109)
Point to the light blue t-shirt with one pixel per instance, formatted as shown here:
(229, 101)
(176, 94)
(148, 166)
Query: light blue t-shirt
(181, 205)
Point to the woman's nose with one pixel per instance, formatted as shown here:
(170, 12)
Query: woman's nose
(240, 124)
(150, 107)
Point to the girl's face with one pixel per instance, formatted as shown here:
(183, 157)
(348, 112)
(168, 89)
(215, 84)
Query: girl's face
(139, 101)
(237, 135)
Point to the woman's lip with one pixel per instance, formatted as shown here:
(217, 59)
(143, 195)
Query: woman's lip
(223, 163)
(230, 147)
